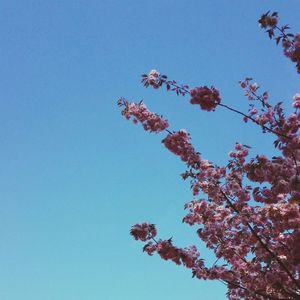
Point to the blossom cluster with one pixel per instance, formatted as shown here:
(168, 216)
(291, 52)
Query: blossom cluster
(251, 88)
(143, 232)
(292, 50)
(187, 256)
(179, 144)
(272, 118)
(207, 98)
(290, 42)
(153, 79)
(140, 113)
(156, 80)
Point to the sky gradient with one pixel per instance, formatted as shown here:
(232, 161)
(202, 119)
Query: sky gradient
(75, 175)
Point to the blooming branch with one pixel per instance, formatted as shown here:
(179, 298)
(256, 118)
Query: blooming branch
(247, 212)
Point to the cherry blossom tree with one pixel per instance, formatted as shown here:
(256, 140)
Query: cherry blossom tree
(247, 212)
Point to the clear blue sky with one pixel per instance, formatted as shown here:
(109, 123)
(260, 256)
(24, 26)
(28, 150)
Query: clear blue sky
(75, 175)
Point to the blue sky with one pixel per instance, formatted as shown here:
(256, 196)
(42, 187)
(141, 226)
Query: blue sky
(75, 175)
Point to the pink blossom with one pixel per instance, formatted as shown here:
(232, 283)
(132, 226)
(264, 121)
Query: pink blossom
(253, 111)
(243, 84)
(153, 79)
(253, 87)
(143, 232)
(150, 248)
(140, 113)
(296, 99)
(207, 98)
(292, 50)
(179, 144)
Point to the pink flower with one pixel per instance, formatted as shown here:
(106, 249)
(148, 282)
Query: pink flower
(179, 144)
(243, 84)
(150, 248)
(292, 50)
(265, 95)
(140, 113)
(153, 79)
(143, 232)
(207, 98)
(296, 101)
(253, 87)
(253, 111)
